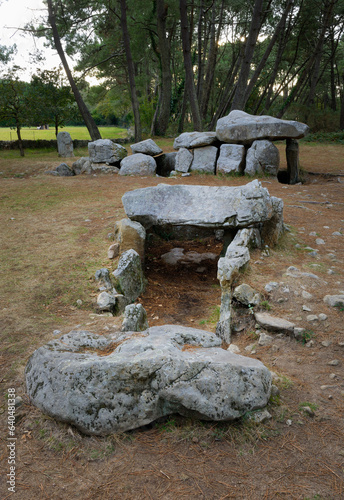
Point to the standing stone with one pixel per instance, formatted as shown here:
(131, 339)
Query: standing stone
(205, 159)
(130, 234)
(292, 154)
(262, 158)
(183, 160)
(138, 164)
(64, 145)
(129, 275)
(231, 159)
(135, 318)
(106, 151)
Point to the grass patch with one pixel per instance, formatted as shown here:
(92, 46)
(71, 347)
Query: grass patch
(213, 318)
(81, 133)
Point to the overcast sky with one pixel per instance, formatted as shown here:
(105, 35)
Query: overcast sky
(15, 14)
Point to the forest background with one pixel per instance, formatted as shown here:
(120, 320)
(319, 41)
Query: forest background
(166, 66)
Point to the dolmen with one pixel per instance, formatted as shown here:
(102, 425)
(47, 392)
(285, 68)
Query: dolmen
(247, 216)
(242, 144)
(106, 384)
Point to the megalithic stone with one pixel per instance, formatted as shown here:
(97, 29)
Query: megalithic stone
(292, 154)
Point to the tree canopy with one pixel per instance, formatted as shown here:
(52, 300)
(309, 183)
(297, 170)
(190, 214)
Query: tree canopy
(181, 63)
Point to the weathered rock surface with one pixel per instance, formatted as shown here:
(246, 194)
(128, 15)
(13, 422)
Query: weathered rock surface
(147, 147)
(135, 318)
(274, 324)
(183, 160)
(138, 164)
(262, 158)
(231, 159)
(164, 370)
(106, 151)
(240, 127)
(64, 145)
(203, 206)
(205, 159)
(194, 139)
(130, 234)
(129, 279)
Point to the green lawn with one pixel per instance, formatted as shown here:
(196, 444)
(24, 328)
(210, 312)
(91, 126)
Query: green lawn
(6, 134)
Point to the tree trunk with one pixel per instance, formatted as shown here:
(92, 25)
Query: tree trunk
(279, 28)
(239, 96)
(166, 76)
(131, 71)
(86, 115)
(189, 81)
(212, 56)
(20, 142)
(311, 70)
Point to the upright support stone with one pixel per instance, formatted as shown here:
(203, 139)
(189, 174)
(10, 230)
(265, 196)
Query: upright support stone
(64, 145)
(292, 154)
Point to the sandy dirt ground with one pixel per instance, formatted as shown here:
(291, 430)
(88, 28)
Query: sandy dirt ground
(54, 239)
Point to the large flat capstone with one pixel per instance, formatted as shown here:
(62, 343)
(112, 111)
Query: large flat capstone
(202, 206)
(120, 382)
(241, 127)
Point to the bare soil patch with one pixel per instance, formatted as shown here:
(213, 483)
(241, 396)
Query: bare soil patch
(55, 236)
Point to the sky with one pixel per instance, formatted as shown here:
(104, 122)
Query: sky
(15, 14)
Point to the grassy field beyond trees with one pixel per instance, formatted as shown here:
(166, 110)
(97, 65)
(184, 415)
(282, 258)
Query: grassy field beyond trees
(31, 133)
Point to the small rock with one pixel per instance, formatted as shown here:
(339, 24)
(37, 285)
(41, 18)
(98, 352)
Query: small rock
(310, 343)
(274, 390)
(135, 318)
(57, 332)
(271, 286)
(251, 348)
(312, 317)
(18, 401)
(322, 317)
(288, 422)
(113, 251)
(320, 241)
(333, 376)
(308, 410)
(234, 349)
(306, 295)
(260, 416)
(334, 362)
(306, 308)
(334, 300)
(326, 343)
(336, 233)
(79, 302)
(265, 339)
(313, 233)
